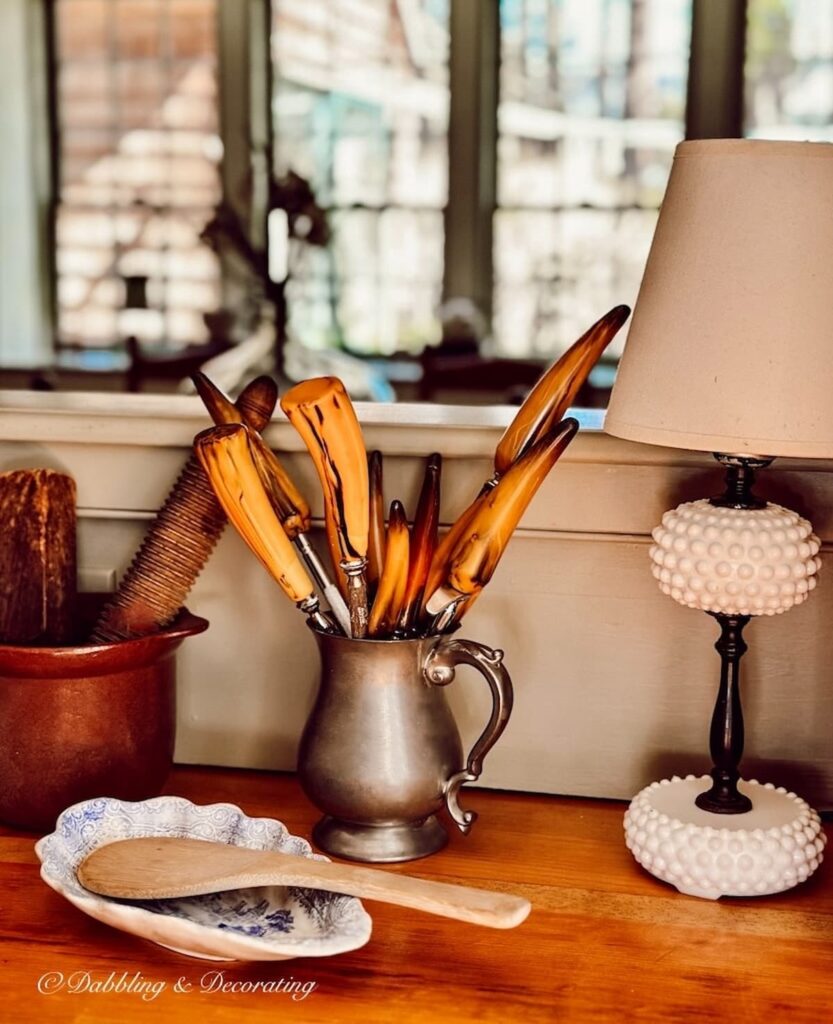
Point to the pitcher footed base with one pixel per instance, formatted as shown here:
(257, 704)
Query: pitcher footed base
(380, 844)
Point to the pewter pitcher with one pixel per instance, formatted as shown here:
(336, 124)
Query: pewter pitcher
(381, 754)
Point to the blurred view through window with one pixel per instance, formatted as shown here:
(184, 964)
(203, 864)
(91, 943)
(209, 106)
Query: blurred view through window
(361, 102)
(136, 98)
(592, 104)
(587, 103)
(789, 70)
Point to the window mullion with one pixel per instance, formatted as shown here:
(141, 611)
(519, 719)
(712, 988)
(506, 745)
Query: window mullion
(472, 151)
(714, 107)
(243, 40)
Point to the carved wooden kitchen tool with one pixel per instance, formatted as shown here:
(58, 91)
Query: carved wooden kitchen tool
(477, 552)
(289, 504)
(163, 867)
(226, 457)
(390, 595)
(322, 413)
(37, 557)
(542, 409)
(179, 541)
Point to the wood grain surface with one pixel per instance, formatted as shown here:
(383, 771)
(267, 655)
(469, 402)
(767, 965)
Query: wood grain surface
(604, 941)
(37, 557)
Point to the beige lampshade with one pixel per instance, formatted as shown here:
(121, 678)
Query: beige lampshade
(731, 343)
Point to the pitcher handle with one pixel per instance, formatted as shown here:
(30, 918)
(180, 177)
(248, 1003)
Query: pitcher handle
(439, 671)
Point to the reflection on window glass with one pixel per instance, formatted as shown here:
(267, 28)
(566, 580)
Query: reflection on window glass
(789, 69)
(138, 156)
(360, 110)
(592, 106)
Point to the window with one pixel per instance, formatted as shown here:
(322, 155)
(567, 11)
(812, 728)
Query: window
(507, 153)
(360, 109)
(138, 154)
(592, 104)
(789, 70)
(592, 101)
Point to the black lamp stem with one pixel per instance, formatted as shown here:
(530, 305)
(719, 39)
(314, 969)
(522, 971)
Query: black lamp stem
(726, 733)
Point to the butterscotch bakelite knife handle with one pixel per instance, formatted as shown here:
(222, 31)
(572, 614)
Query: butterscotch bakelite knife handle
(376, 525)
(423, 540)
(477, 552)
(322, 413)
(226, 456)
(555, 392)
(290, 505)
(387, 607)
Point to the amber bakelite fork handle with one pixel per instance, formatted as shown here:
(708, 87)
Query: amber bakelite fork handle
(556, 391)
(474, 558)
(321, 411)
(288, 502)
(542, 409)
(226, 456)
(390, 595)
(179, 542)
(423, 540)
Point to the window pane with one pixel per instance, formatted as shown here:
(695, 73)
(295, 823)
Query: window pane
(138, 155)
(592, 106)
(789, 69)
(360, 110)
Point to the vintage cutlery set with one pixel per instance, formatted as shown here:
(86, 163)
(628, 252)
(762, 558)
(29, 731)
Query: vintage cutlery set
(389, 582)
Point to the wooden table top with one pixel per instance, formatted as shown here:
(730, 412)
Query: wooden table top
(604, 941)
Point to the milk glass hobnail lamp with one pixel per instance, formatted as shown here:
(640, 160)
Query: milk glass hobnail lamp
(731, 351)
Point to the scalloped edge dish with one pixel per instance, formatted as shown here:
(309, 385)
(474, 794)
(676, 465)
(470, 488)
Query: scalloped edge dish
(270, 923)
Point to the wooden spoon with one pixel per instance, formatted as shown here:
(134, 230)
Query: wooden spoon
(167, 868)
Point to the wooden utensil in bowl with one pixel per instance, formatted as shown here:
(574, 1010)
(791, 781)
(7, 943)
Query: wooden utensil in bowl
(162, 867)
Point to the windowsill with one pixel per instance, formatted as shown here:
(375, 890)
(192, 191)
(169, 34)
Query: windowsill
(403, 429)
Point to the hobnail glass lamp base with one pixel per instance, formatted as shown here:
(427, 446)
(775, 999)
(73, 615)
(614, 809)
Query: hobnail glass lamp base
(769, 849)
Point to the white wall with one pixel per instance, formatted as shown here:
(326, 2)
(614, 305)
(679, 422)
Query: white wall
(614, 682)
(25, 331)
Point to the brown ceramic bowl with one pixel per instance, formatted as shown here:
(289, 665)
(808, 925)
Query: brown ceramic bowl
(80, 722)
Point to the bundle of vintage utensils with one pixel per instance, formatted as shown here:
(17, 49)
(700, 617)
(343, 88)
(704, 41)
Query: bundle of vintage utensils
(389, 581)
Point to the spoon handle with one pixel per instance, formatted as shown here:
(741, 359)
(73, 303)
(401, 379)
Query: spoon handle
(166, 868)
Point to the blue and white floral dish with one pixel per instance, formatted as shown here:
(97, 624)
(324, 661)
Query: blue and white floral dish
(269, 923)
